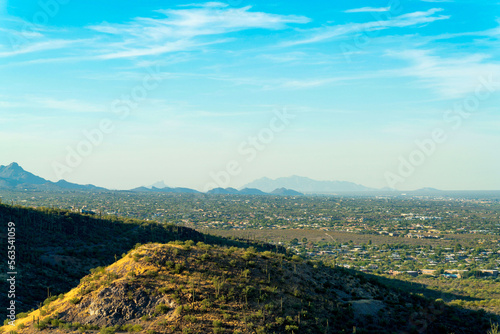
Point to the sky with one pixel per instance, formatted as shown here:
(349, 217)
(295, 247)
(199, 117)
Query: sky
(399, 94)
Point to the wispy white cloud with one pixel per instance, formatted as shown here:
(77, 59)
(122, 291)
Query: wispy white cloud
(68, 105)
(212, 114)
(131, 51)
(450, 77)
(180, 29)
(263, 83)
(368, 10)
(20, 35)
(305, 83)
(206, 4)
(492, 34)
(297, 83)
(23, 37)
(39, 46)
(35, 102)
(294, 58)
(339, 31)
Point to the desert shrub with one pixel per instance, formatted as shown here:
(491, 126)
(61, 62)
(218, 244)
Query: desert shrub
(74, 300)
(178, 310)
(161, 309)
(131, 328)
(49, 300)
(22, 315)
(107, 330)
(164, 290)
(179, 268)
(151, 273)
(190, 318)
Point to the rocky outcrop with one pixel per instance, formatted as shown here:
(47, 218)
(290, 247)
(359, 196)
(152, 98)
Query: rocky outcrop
(117, 304)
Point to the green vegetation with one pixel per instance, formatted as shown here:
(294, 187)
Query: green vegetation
(444, 251)
(277, 294)
(56, 248)
(461, 214)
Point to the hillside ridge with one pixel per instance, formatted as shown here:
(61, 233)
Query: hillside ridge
(56, 248)
(188, 287)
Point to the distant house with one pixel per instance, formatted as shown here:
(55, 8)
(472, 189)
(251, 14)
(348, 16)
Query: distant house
(450, 275)
(456, 272)
(427, 271)
(395, 272)
(489, 273)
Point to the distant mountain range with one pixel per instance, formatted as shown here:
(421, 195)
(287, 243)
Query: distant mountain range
(160, 186)
(166, 190)
(220, 191)
(15, 177)
(253, 191)
(307, 185)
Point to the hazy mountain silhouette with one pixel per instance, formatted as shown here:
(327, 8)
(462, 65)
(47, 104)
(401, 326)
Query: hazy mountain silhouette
(306, 185)
(285, 192)
(14, 176)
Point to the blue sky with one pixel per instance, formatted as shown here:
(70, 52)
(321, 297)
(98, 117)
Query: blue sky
(400, 94)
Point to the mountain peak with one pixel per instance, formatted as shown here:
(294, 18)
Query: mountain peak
(14, 166)
(285, 192)
(158, 185)
(17, 174)
(14, 176)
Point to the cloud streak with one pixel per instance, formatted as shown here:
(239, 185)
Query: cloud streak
(33, 102)
(181, 29)
(449, 77)
(40, 46)
(326, 33)
(368, 10)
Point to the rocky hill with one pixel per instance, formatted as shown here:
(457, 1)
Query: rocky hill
(188, 287)
(14, 176)
(56, 248)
